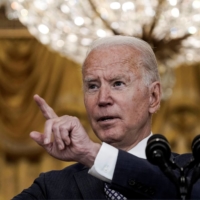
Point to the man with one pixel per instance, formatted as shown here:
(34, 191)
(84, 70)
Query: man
(121, 92)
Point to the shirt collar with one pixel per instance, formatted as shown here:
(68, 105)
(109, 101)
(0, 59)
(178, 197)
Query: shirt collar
(139, 149)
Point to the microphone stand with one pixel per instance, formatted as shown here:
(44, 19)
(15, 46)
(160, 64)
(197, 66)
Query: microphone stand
(158, 153)
(165, 166)
(195, 175)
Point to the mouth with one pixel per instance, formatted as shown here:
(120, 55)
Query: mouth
(106, 118)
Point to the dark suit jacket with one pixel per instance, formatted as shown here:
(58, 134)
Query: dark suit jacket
(73, 182)
(134, 177)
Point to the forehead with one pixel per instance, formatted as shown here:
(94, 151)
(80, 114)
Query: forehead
(114, 59)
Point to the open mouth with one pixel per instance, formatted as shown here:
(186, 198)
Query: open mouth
(106, 118)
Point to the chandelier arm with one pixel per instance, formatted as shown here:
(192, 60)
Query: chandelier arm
(157, 16)
(176, 43)
(104, 21)
(148, 28)
(164, 47)
(180, 6)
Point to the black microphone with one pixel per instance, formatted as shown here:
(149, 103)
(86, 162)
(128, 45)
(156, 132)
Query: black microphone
(195, 161)
(158, 150)
(196, 149)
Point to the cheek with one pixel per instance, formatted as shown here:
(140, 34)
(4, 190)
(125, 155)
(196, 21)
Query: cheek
(89, 103)
(136, 105)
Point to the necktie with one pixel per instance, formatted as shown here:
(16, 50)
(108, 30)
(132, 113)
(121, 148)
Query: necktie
(112, 194)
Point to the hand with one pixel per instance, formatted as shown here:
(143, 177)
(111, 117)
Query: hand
(64, 137)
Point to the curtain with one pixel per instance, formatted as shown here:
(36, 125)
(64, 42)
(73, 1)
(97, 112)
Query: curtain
(27, 68)
(178, 117)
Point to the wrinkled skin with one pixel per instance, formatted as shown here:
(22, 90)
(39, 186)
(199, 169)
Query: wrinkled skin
(118, 103)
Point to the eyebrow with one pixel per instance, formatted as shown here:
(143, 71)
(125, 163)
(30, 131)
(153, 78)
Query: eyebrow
(89, 79)
(111, 78)
(120, 76)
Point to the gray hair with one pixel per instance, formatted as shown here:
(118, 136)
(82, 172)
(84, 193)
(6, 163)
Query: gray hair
(147, 59)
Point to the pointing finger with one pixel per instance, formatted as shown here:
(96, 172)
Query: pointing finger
(46, 110)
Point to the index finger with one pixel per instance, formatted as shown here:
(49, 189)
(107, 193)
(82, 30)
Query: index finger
(46, 110)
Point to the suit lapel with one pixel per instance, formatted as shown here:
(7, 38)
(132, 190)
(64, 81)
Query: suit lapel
(89, 186)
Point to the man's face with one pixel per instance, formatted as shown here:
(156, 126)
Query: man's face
(116, 99)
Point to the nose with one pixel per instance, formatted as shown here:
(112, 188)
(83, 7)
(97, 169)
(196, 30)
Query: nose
(104, 97)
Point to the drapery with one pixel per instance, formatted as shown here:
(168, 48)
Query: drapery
(178, 118)
(27, 68)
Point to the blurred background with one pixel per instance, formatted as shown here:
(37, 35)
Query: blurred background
(42, 46)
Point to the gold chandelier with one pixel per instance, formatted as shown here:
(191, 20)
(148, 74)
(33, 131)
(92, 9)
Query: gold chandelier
(171, 27)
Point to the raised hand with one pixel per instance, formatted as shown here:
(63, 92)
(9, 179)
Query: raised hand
(64, 137)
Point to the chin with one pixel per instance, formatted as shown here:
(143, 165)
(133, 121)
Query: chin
(110, 137)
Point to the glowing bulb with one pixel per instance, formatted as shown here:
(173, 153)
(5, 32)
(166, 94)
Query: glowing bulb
(196, 4)
(86, 41)
(24, 12)
(79, 21)
(175, 12)
(173, 2)
(64, 8)
(115, 5)
(192, 29)
(72, 37)
(15, 5)
(60, 43)
(43, 29)
(196, 17)
(128, 6)
(101, 33)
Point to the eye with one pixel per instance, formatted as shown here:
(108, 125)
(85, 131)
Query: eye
(118, 83)
(92, 86)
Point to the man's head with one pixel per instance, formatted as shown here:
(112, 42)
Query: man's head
(147, 60)
(121, 89)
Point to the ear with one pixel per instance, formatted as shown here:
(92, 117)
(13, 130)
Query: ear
(154, 97)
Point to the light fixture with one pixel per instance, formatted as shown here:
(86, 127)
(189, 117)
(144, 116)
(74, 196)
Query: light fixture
(171, 27)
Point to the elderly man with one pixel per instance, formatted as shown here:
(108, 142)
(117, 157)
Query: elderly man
(121, 92)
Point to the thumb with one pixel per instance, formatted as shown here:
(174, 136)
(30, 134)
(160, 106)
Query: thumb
(37, 137)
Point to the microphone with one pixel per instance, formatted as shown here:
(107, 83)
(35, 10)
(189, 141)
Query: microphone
(158, 151)
(196, 149)
(196, 161)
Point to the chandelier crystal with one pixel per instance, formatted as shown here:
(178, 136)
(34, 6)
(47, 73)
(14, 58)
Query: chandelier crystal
(171, 27)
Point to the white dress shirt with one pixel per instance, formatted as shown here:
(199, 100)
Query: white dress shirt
(104, 164)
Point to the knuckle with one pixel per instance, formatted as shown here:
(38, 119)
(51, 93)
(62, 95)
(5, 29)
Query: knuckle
(48, 121)
(58, 140)
(54, 127)
(62, 128)
(75, 119)
(65, 117)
